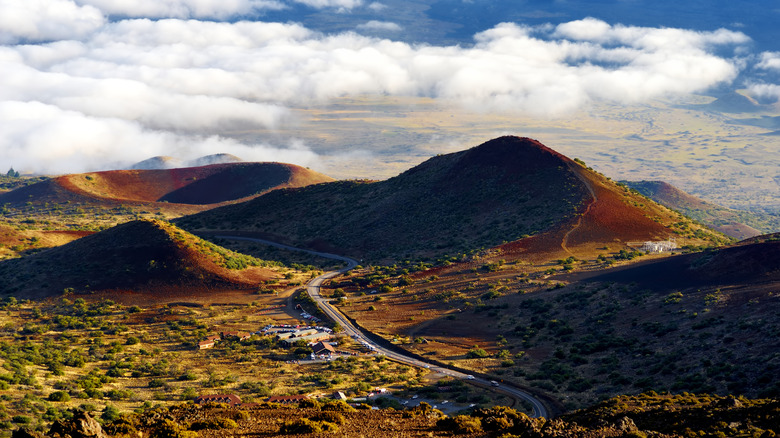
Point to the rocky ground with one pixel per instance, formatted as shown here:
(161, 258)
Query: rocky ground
(646, 415)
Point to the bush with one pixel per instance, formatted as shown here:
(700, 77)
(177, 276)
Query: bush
(338, 406)
(170, 429)
(110, 413)
(462, 424)
(330, 417)
(476, 353)
(189, 375)
(214, 423)
(309, 403)
(305, 425)
(59, 396)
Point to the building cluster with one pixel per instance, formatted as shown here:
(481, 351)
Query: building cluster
(308, 335)
(659, 246)
(286, 334)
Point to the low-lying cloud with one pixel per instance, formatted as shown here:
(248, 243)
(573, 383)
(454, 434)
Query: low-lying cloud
(93, 89)
(381, 26)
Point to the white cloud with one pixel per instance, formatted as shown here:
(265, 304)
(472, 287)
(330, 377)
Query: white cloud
(765, 91)
(46, 20)
(769, 61)
(377, 7)
(44, 138)
(212, 9)
(382, 26)
(344, 5)
(174, 84)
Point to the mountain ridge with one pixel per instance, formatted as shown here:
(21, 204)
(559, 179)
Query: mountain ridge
(501, 191)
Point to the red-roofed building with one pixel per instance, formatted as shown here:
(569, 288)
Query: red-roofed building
(242, 336)
(205, 344)
(230, 399)
(287, 399)
(323, 348)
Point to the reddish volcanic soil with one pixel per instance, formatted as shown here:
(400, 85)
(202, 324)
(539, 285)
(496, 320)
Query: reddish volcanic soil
(192, 185)
(176, 191)
(607, 218)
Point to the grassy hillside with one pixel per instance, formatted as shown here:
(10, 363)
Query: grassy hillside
(735, 223)
(141, 254)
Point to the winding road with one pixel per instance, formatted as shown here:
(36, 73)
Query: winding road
(313, 289)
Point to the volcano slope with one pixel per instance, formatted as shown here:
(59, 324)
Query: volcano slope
(110, 197)
(735, 223)
(144, 255)
(502, 191)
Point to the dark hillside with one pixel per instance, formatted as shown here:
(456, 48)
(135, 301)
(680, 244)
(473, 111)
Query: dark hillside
(754, 261)
(138, 254)
(500, 191)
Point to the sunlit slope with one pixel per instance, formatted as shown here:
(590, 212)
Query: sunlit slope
(736, 223)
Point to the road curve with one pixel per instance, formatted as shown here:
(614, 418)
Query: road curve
(565, 241)
(313, 289)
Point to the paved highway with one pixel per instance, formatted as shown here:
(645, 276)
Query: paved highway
(313, 288)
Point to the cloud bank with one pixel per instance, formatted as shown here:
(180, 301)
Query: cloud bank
(80, 88)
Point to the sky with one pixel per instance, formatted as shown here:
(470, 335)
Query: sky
(100, 84)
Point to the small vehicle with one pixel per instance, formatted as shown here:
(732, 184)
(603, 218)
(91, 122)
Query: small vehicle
(469, 377)
(493, 383)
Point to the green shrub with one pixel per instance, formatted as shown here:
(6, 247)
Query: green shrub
(304, 425)
(214, 423)
(309, 403)
(170, 429)
(461, 424)
(338, 406)
(59, 396)
(110, 413)
(476, 353)
(330, 417)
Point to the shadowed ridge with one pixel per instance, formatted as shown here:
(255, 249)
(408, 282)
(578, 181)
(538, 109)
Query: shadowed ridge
(139, 254)
(518, 154)
(753, 261)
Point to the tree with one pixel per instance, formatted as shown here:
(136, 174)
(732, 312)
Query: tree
(12, 173)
